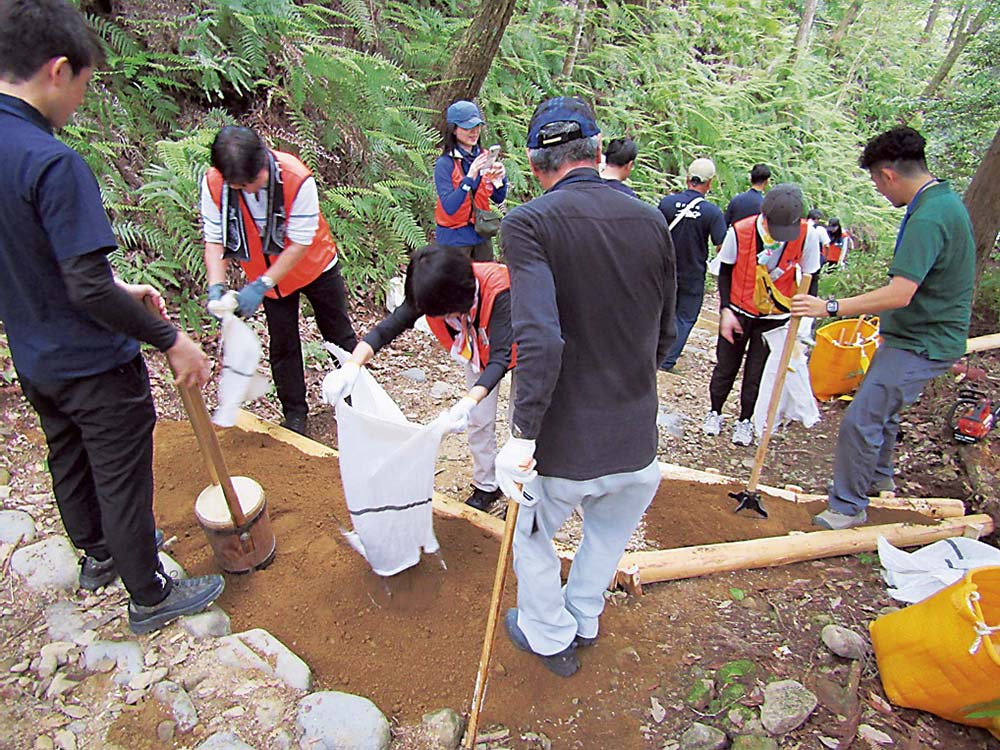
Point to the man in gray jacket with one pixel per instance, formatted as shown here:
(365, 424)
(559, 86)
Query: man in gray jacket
(592, 296)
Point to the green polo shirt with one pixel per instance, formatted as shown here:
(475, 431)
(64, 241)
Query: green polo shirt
(937, 252)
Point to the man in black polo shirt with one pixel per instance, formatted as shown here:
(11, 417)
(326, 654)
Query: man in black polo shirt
(749, 202)
(592, 302)
(72, 327)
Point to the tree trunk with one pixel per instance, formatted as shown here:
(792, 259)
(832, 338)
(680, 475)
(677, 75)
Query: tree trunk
(932, 17)
(958, 22)
(581, 17)
(845, 23)
(982, 199)
(472, 60)
(802, 37)
(962, 37)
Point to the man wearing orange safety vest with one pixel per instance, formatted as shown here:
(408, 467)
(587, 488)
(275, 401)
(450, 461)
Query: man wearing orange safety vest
(761, 259)
(283, 243)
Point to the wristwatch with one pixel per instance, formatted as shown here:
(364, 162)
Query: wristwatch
(268, 281)
(832, 307)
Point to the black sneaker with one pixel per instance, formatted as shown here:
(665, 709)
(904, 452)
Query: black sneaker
(564, 664)
(95, 573)
(483, 499)
(582, 642)
(187, 597)
(296, 423)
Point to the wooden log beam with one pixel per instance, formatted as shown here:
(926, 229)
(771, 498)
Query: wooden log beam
(935, 507)
(688, 562)
(982, 343)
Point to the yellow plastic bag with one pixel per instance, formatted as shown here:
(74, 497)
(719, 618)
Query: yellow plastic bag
(942, 655)
(766, 296)
(840, 358)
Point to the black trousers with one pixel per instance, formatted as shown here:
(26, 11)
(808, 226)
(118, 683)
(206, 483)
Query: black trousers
(329, 302)
(99, 430)
(729, 357)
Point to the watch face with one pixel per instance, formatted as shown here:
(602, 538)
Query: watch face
(832, 306)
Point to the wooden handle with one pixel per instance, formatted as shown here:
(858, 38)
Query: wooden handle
(194, 404)
(491, 624)
(779, 384)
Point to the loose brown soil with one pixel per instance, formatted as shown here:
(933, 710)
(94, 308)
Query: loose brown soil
(411, 643)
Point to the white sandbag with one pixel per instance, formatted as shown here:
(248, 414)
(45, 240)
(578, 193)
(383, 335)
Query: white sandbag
(914, 576)
(797, 400)
(387, 468)
(239, 382)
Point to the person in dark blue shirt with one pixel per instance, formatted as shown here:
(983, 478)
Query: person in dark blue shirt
(619, 159)
(73, 328)
(749, 203)
(468, 179)
(693, 222)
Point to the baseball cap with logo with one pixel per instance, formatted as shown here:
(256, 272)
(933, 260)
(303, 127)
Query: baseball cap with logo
(561, 120)
(782, 208)
(701, 170)
(464, 114)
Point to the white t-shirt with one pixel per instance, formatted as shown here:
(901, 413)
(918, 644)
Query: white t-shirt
(303, 214)
(809, 262)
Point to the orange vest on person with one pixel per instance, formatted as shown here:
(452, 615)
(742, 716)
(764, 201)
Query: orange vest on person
(464, 215)
(741, 294)
(321, 252)
(836, 249)
(493, 279)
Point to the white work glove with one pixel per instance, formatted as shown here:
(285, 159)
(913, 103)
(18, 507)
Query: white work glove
(458, 415)
(223, 305)
(339, 383)
(515, 467)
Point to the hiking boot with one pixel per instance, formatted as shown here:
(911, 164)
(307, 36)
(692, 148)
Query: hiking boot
(582, 641)
(187, 597)
(831, 519)
(296, 423)
(712, 424)
(881, 484)
(95, 573)
(483, 499)
(743, 432)
(564, 664)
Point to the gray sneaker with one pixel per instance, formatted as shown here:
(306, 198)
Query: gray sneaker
(187, 597)
(564, 664)
(712, 424)
(743, 432)
(881, 484)
(95, 573)
(831, 519)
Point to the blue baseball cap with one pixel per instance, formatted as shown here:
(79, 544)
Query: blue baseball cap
(561, 120)
(465, 114)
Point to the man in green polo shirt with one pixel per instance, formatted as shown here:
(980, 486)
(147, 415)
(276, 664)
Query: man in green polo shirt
(925, 310)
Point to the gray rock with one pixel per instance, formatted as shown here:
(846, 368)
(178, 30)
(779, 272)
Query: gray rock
(415, 374)
(787, 705)
(171, 567)
(703, 737)
(212, 623)
(341, 721)
(753, 742)
(126, 656)
(143, 680)
(268, 711)
(844, 642)
(224, 741)
(258, 649)
(444, 727)
(49, 565)
(440, 389)
(64, 620)
(16, 526)
(165, 730)
(54, 655)
(282, 740)
(176, 699)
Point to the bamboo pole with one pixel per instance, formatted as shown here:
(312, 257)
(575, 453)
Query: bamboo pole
(688, 562)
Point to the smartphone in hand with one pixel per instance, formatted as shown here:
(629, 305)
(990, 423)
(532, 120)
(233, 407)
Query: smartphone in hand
(491, 158)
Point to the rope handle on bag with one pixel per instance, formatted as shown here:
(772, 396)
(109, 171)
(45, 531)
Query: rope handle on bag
(979, 626)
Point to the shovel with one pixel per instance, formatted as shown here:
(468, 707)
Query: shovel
(749, 498)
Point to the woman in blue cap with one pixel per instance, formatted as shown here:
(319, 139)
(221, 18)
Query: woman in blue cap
(468, 180)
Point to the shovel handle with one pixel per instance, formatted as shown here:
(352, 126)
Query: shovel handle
(491, 624)
(211, 451)
(779, 384)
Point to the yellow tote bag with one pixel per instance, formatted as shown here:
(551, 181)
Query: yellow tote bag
(942, 655)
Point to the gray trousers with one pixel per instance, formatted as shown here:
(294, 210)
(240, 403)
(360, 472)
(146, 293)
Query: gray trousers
(867, 439)
(551, 615)
(483, 433)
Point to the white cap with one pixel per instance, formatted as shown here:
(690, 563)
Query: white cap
(701, 170)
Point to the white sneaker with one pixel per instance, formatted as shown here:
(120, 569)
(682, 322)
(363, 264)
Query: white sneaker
(712, 424)
(743, 432)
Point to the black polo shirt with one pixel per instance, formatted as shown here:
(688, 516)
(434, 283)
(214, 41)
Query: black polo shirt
(744, 205)
(691, 235)
(52, 211)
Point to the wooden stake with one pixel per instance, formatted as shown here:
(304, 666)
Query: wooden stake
(482, 676)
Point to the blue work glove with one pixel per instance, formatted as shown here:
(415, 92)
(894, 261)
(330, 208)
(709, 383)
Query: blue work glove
(250, 297)
(215, 293)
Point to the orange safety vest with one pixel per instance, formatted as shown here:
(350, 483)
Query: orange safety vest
(292, 173)
(493, 278)
(741, 294)
(463, 217)
(836, 249)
